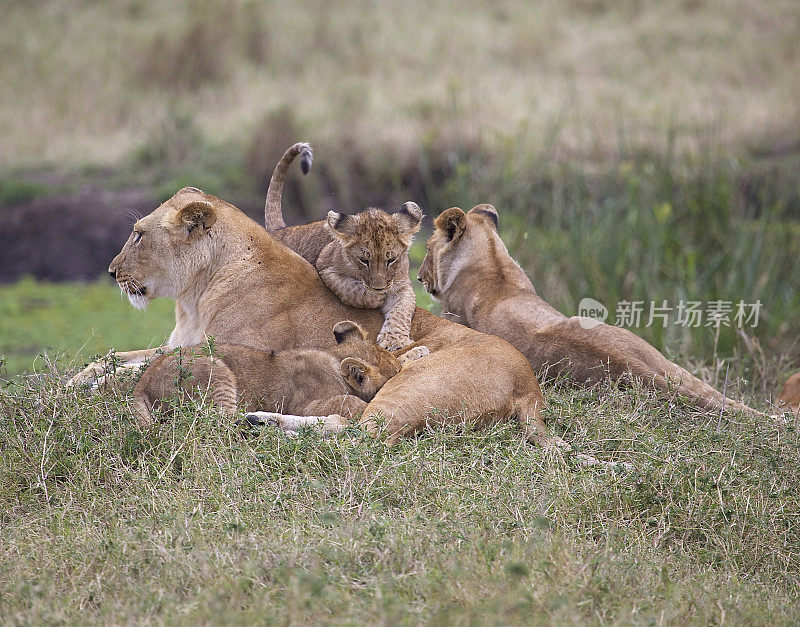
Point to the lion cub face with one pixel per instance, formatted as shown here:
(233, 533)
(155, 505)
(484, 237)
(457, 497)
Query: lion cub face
(367, 365)
(165, 248)
(373, 242)
(458, 238)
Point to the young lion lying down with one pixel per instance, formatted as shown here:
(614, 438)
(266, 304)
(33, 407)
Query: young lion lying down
(300, 381)
(468, 269)
(366, 265)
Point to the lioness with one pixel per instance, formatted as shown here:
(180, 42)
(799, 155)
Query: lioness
(468, 269)
(231, 279)
(299, 381)
(366, 265)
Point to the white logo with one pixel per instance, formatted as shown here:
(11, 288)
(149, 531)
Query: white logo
(591, 313)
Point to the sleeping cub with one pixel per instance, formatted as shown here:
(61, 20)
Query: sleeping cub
(300, 381)
(366, 266)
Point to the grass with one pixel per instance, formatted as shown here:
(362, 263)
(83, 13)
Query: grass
(639, 151)
(190, 521)
(75, 320)
(389, 77)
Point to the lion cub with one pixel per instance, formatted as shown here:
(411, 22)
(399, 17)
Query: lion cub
(366, 266)
(300, 381)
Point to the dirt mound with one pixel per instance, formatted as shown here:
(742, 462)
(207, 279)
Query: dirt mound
(68, 237)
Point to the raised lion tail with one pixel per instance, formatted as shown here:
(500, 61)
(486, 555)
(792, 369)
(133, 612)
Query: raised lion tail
(273, 212)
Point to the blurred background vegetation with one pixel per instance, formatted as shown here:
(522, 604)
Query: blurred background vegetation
(635, 150)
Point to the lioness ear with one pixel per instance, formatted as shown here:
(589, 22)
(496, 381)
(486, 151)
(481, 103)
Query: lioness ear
(354, 372)
(199, 213)
(408, 219)
(340, 225)
(452, 221)
(347, 330)
(487, 211)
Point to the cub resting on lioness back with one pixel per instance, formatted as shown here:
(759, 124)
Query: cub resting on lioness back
(362, 258)
(299, 381)
(366, 265)
(468, 268)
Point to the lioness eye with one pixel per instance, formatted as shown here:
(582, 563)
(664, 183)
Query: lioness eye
(137, 235)
(363, 260)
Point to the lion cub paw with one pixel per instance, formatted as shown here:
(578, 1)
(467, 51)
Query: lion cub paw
(393, 341)
(413, 354)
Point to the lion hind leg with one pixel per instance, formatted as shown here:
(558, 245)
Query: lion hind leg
(527, 408)
(529, 415)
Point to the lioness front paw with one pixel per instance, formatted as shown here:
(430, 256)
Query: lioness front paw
(393, 341)
(90, 375)
(413, 354)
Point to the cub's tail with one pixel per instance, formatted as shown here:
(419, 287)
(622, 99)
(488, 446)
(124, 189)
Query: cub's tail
(273, 212)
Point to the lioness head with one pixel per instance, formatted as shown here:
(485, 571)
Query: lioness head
(374, 241)
(457, 238)
(368, 366)
(167, 248)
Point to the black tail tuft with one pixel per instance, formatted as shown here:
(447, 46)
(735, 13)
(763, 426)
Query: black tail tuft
(306, 158)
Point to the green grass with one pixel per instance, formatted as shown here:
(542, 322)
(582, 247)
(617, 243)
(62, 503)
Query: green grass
(13, 191)
(634, 150)
(191, 522)
(76, 320)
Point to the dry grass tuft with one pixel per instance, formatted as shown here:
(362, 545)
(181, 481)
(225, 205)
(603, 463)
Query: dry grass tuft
(391, 75)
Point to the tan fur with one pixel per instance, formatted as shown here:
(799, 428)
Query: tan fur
(299, 381)
(307, 240)
(231, 279)
(366, 265)
(789, 397)
(468, 268)
(273, 215)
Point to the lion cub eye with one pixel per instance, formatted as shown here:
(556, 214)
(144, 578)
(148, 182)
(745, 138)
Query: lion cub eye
(390, 261)
(363, 260)
(137, 235)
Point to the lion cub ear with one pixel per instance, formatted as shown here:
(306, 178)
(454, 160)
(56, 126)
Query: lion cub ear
(487, 211)
(356, 373)
(199, 213)
(452, 221)
(341, 225)
(408, 219)
(347, 330)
